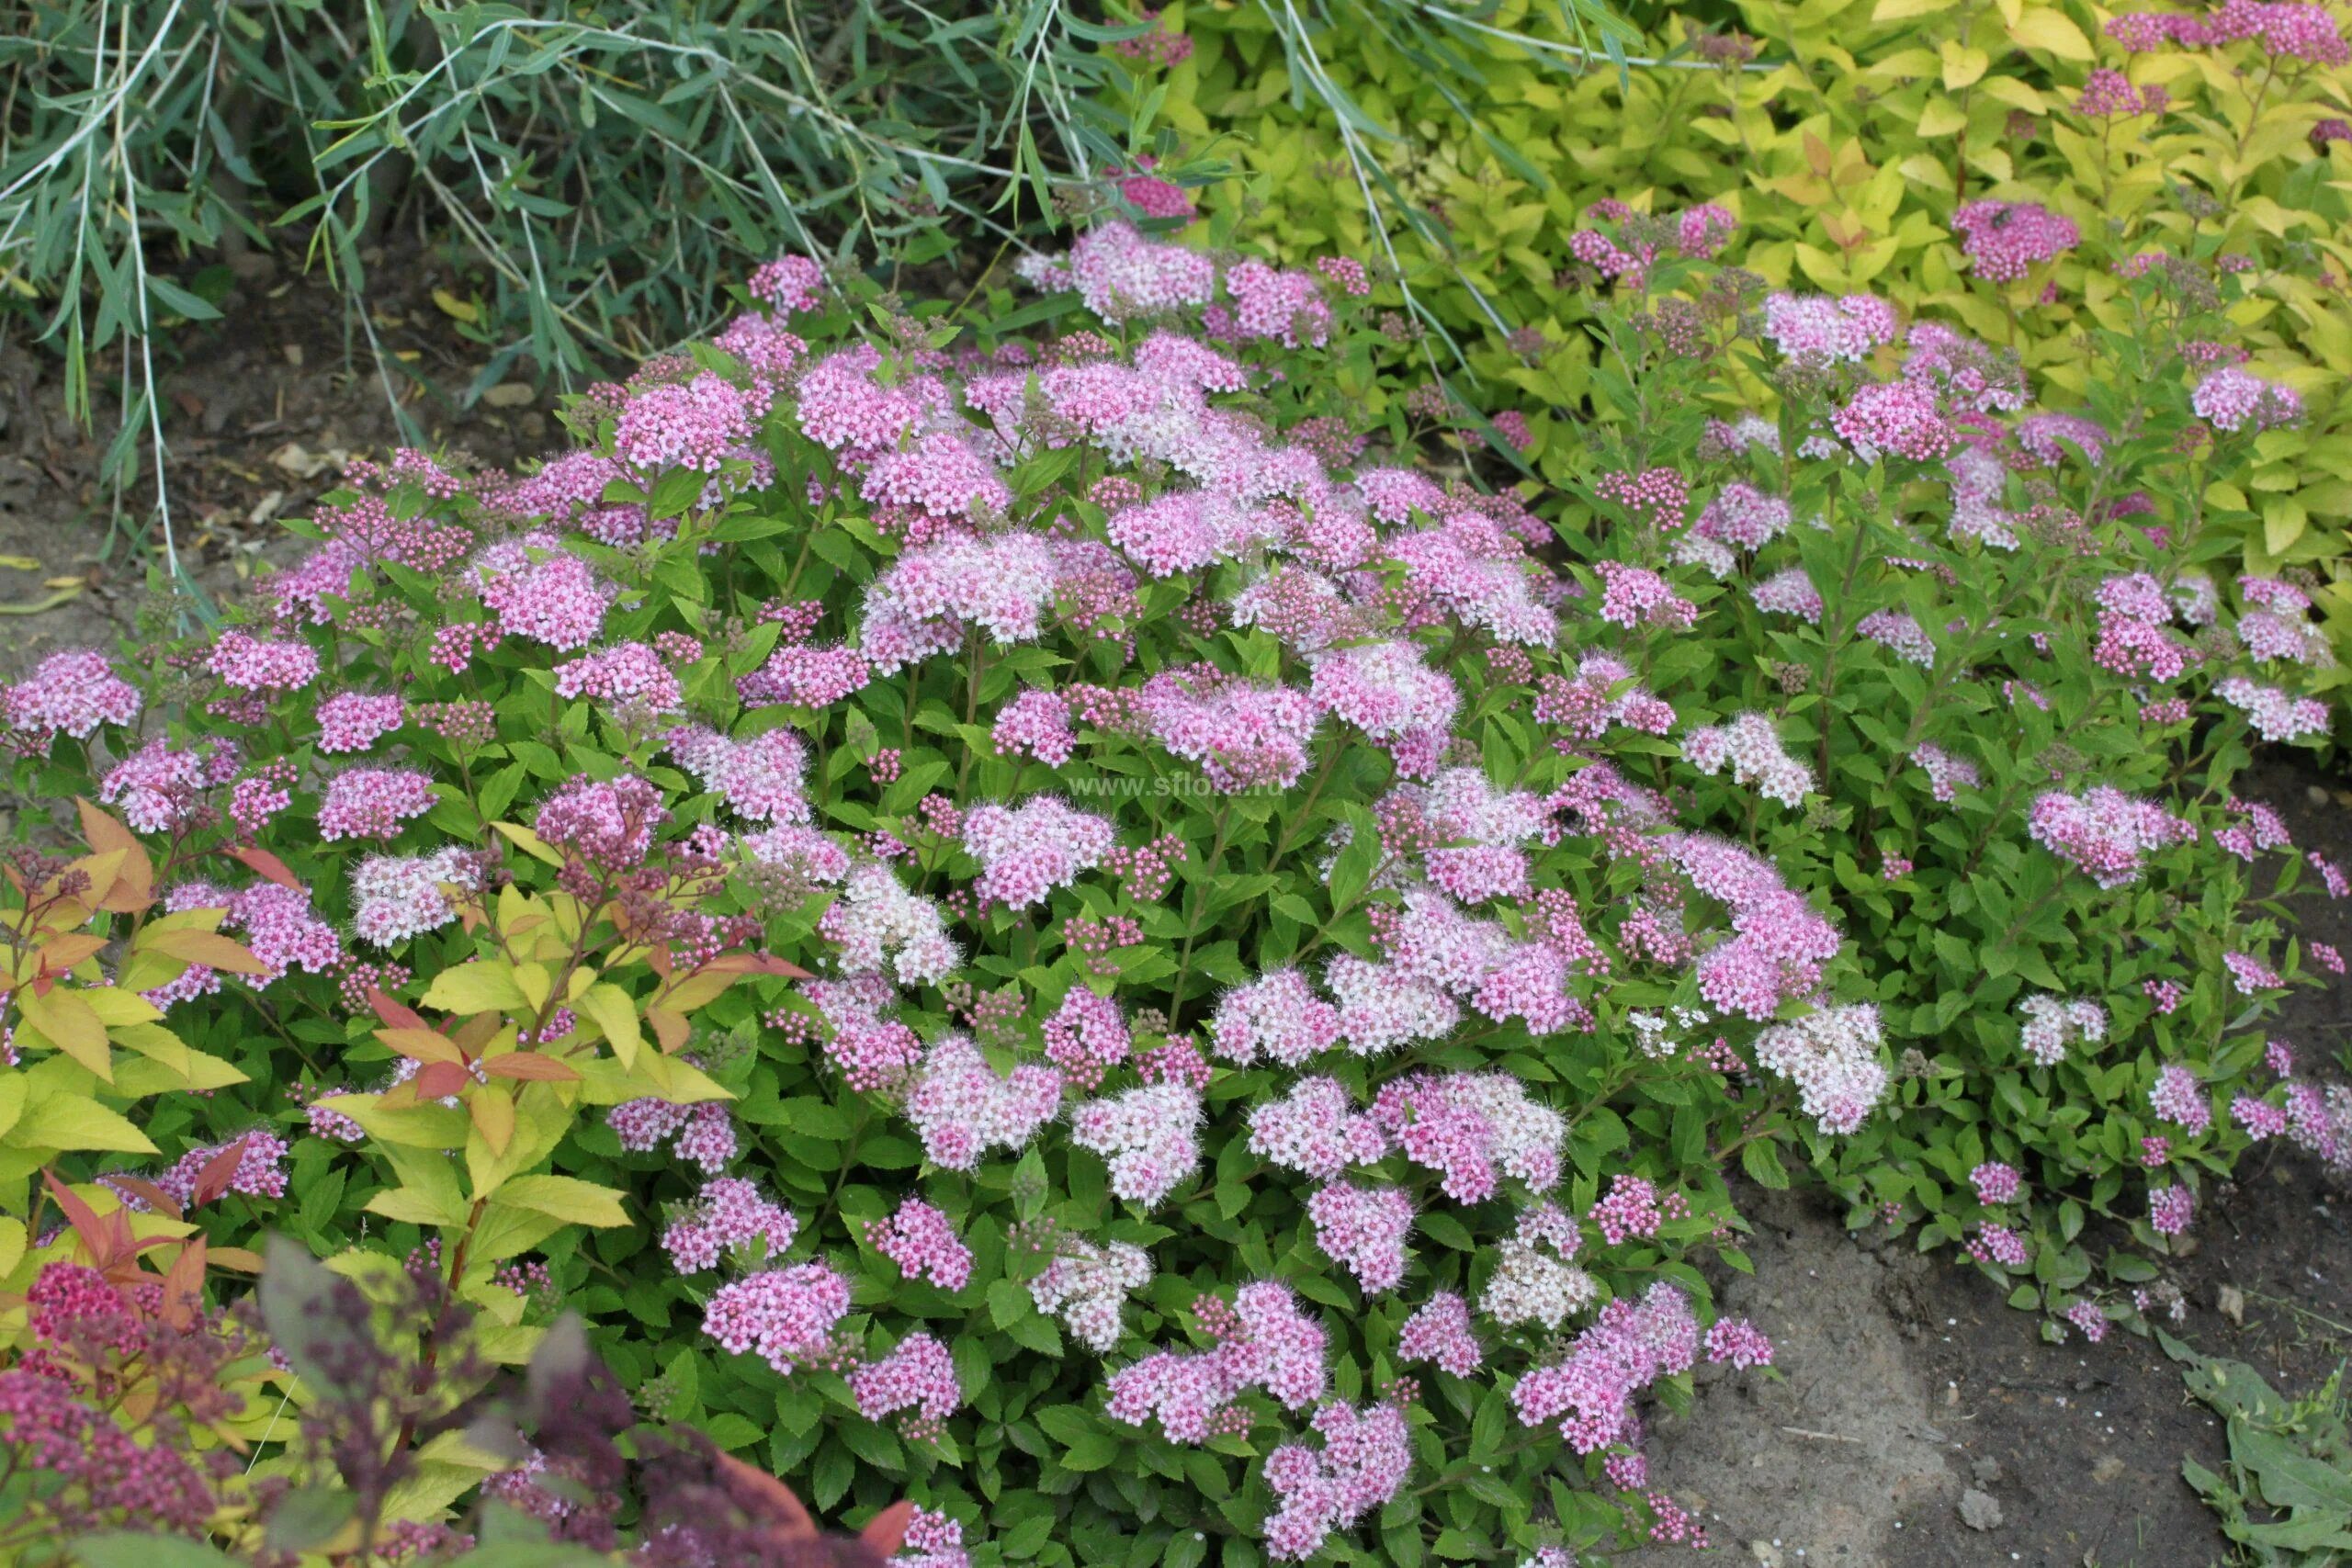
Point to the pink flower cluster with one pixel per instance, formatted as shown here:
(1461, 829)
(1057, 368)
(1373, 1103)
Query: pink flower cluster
(1366, 1457)
(1025, 853)
(728, 1219)
(1589, 1392)
(2006, 238)
(962, 1107)
(71, 692)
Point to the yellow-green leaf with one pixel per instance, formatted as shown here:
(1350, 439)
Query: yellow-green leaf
(611, 1010)
(530, 843)
(487, 985)
(71, 1024)
(68, 1121)
(2049, 31)
(567, 1199)
(410, 1207)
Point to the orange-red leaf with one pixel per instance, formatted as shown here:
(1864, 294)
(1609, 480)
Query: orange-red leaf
(669, 1028)
(268, 866)
(438, 1080)
(184, 1285)
(886, 1531)
(61, 953)
(395, 1014)
(153, 1196)
(214, 1179)
(101, 831)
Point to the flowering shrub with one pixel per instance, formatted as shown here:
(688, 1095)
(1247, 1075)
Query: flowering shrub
(1998, 168)
(1286, 941)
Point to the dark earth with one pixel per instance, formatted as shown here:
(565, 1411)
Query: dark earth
(1901, 1382)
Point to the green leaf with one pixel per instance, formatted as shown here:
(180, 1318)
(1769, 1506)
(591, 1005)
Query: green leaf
(1761, 1159)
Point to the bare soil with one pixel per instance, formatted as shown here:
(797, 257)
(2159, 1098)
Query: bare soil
(1903, 1382)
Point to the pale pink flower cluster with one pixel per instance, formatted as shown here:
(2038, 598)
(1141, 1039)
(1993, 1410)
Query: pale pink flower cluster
(1749, 745)
(1995, 1182)
(1086, 1286)
(801, 676)
(2105, 833)
(962, 1107)
(1789, 592)
(2055, 1024)
(1243, 733)
(1900, 635)
(1366, 1457)
(1739, 1343)
(1438, 1331)
(397, 898)
(933, 595)
(1947, 775)
(71, 692)
(2276, 714)
(1363, 1229)
(1085, 1037)
(159, 787)
(1779, 942)
(1970, 375)
(702, 1134)
(2276, 623)
(697, 425)
(372, 803)
(1263, 1340)
(941, 477)
(881, 927)
(933, 1541)
(1813, 330)
(2233, 400)
(1831, 1054)
(1635, 596)
(1483, 829)
(2176, 1097)
(248, 663)
(2171, 1209)
(1025, 853)
(1901, 418)
(1278, 1016)
(1603, 693)
(1473, 1130)
(541, 591)
(632, 673)
(1315, 1129)
(2249, 975)
(762, 778)
(1149, 1136)
(2006, 238)
(353, 721)
(792, 284)
(1388, 691)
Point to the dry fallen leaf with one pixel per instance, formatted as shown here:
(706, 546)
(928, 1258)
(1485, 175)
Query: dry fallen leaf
(2231, 1302)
